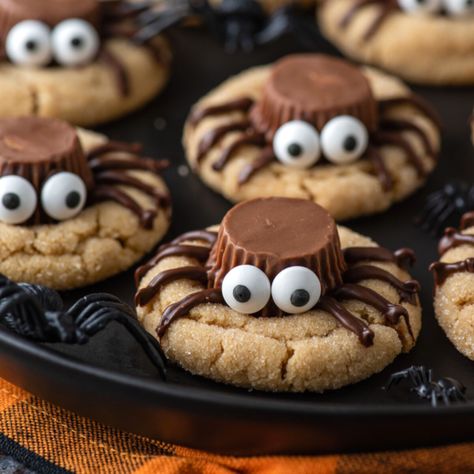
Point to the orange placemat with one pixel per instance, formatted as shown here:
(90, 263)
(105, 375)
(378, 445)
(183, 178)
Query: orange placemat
(49, 439)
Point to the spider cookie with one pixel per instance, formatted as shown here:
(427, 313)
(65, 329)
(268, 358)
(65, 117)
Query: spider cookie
(316, 127)
(75, 208)
(84, 61)
(429, 41)
(279, 298)
(454, 285)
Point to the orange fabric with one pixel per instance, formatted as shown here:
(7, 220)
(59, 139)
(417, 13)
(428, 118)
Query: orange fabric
(65, 441)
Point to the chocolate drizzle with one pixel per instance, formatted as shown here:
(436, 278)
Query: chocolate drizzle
(238, 244)
(183, 307)
(442, 270)
(467, 220)
(407, 291)
(387, 7)
(452, 238)
(238, 105)
(334, 88)
(118, 70)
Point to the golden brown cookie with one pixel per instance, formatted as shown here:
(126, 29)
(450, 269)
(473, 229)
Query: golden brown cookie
(75, 208)
(278, 298)
(454, 285)
(429, 42)
(84, 62)
(315, 127)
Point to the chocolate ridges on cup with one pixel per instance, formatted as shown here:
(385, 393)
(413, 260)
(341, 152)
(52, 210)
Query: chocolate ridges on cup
(314, 88)
(275, 233)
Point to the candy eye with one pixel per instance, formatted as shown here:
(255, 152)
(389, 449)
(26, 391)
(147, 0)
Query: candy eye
(63, 196)
(28, 44)
(296, 144)
(296, 290)
(246, 289)
(17, 199)
(344, 139)
(459, 7)
(420, 6)
(75, 42)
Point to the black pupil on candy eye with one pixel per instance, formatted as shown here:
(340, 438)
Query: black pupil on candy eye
(77, 42)
(73, 199)
(299, 298)
(31, 45)
(241, 294)
(11, 201)
(350, 142)
(295, 150)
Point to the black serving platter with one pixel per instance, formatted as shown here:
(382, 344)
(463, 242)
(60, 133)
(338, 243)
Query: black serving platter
(110, 379)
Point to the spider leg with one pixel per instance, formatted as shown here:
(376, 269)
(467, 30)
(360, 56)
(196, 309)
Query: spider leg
(379, 166)
(396, 378)
(256, 139)
(262, 161)
(120, 73)
(434, 399)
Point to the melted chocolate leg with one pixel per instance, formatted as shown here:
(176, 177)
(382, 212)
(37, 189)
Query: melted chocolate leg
(257, 139)
(397, 140)
(213, 137)
(198, 252)
(145, 295)
(111, 193)
(404, 257)
(407, 290)
(400, 125)
(263, 160)
(391, 312)
(442, 271)
(112, 146)
(207, 236)
(119, 71)
(119, 177)
(347, 320)
(383, 174)
(358, 5)
(239, 105)
(181, 308)
(130, 163)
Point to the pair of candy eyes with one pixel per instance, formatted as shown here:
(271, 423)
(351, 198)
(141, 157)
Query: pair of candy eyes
(294, 290)
(71, 43)
(298, 144)
(451, 7)
(63, 196)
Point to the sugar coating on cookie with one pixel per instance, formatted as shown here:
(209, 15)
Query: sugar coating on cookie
(316, 127)
(425, 42)
(255, 303)
(454, 285)
(79, 61)
(75, 208)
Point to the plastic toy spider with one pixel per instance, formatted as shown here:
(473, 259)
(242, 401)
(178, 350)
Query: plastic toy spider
(238, 24)
(452, 8)
(446, 390)
(53, 179)
(37, 312)
(69, 33)
(445, 207)
(316, 110)
(263, 272)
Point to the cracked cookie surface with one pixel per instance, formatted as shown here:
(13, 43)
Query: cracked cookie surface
(428, 49)
(88, 95)
(103, 240)
(454, 297)
(306, 352)
(346, 191)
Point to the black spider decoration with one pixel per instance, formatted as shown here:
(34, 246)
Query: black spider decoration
(238, 24)
(444, 207)
(37, 313)
(446, 389)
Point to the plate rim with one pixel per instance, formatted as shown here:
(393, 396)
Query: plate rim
(231, 403)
